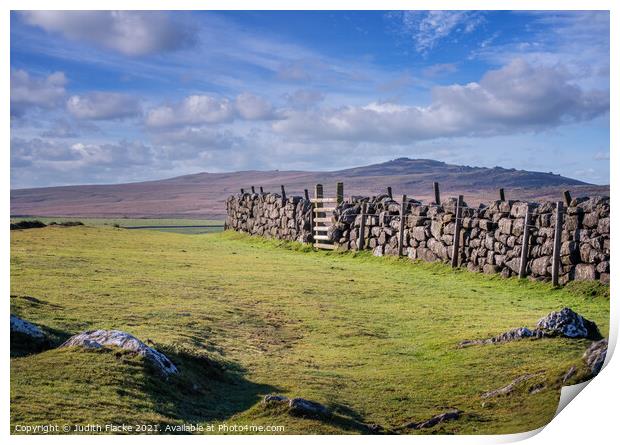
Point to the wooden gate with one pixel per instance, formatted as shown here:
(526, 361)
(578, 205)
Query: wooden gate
(322, 218)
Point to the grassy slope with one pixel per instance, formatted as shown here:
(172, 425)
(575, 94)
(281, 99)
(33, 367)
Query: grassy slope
(373, 338)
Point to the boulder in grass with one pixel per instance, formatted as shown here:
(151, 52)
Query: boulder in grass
(568, 323)
(443, 417)
(27, 338)
(21, 326)
(298, 406)
(595, 356)
(564, 323)
(303, 407)
(275, 398)
(99, 338)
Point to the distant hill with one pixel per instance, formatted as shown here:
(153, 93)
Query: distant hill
(203, 194)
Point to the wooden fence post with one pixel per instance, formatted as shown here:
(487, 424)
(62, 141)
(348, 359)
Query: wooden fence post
(557, 244)
(253, 191)
(401, 229)
(241, 191)
(457, 232)
(502, 196)
(389, 192)
(567, 198)
(283, 194)
(261, 189)
(306, 195)
(318, 193)
(525, 245)
(436, 189)
(360, 237)
(339, 193)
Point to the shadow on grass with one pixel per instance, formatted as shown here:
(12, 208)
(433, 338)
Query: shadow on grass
(23, 345)
(203, 390)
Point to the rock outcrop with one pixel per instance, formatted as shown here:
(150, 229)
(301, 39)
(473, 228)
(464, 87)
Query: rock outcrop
(21, 326)
(595, 356)
(564, 323)
(123, 340)
(510, 388)
(298, 406)
(443, 417)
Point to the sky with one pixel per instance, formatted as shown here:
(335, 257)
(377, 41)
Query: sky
(122, 96)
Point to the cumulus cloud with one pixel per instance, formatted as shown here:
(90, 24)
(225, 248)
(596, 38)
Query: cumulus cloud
(252, 107)
(189, 142)
(427, 28)
(195, 109)
(132, 33)
(99, 105)
(515, 98)
(61, 155)
(206, 109)
(34, 91)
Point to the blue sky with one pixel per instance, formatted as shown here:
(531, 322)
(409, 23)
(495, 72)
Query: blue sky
(109, 97)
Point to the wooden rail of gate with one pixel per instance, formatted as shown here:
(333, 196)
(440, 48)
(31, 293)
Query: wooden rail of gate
(322, 219)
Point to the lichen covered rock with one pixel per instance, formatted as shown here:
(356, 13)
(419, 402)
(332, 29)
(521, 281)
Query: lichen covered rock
(568, 323)
(595, 356)
(123, 340)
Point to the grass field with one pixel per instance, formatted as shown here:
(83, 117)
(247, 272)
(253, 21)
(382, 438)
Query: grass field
(374, 339)
(184, 224)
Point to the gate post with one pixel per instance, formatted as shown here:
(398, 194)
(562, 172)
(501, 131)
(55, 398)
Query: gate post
(525, 245)
(362, 229)
(401, 229)
(457, 232)
(557, 244)
(339, 193)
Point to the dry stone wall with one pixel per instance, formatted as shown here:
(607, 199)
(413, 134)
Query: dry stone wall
(490, 238)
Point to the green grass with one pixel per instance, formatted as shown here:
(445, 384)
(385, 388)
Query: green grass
(134, 222)
(372, 338)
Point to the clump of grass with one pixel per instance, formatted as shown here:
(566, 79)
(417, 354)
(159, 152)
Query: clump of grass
(27, 224)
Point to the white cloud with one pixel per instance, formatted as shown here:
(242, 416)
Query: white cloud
(204, 109)
(427, 28)
(133, 33)
(193, 110)
(252, 107)
(515, 98)
(59, 155)
(99, 105)
(32, 91)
